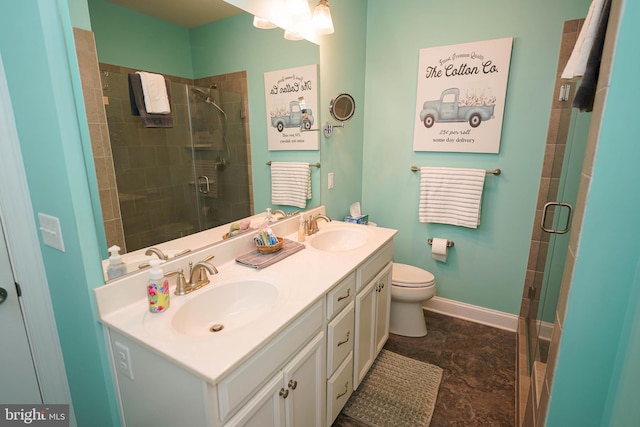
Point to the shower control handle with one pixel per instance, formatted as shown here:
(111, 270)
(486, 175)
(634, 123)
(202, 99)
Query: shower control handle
(203, 180)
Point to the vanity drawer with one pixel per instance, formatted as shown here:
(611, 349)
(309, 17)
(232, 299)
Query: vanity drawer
(339, 389)
(341, 295)
(242, 383)
(373, 266)
(340, 336)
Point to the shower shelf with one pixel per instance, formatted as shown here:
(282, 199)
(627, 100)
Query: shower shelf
(199, 146)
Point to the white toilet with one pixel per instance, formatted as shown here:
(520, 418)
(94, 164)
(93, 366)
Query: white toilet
(410, 286)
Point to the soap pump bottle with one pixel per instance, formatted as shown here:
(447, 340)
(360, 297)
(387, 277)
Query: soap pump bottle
(157, 288)
(301, 229)
(116, 266)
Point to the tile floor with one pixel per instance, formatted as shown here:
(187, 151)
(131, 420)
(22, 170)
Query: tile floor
(478, 383)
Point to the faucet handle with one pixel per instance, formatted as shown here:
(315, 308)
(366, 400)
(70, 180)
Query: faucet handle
(181, 282)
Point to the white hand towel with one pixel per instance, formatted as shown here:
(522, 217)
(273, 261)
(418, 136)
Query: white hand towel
(156, 99)
(577, 63)
(290, 184)
(451, 196)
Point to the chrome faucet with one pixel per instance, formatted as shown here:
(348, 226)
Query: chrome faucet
(198, 276)
(283, 213)
(311, 224)
(161, 255)
(157, 252)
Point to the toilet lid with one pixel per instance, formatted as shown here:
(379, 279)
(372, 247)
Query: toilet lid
(409, 276)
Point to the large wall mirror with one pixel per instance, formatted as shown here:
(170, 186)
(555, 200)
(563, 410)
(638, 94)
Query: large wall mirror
(207, 170)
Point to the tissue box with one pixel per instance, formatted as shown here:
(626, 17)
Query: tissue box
(362, 219)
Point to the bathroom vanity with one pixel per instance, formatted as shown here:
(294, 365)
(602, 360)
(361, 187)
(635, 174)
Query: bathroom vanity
(297, 336)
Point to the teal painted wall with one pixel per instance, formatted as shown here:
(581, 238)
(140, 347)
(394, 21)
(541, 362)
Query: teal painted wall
(139, 41)
(79, 13)
(233, 44)
(487, 265)
(597, 377)
(51, 143)
(343, 60)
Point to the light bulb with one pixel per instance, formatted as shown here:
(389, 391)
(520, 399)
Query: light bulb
(263, 23)
(322, 18)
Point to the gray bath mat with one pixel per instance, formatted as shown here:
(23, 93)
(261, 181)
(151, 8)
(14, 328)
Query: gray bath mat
(396, 392)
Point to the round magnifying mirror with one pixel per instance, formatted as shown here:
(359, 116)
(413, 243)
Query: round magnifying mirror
(342, 107)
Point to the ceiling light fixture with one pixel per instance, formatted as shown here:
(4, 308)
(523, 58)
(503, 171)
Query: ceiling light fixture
(322, 18)
(290, 35)
(263, 23)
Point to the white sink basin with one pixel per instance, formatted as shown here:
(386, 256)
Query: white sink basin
(230, 305)
(339, 239)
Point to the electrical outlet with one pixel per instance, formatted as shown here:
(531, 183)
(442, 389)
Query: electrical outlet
(330, 180)
(123, 360)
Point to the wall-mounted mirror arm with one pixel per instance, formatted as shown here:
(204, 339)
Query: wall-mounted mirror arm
(328, 128)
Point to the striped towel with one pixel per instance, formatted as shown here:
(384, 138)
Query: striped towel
(451, 196)
(290, 184)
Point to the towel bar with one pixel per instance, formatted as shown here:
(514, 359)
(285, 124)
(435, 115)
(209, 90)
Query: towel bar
(496, 171)
(311, 165)
(449, 242)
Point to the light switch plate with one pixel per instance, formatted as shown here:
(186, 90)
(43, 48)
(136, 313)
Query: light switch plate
(51, 231)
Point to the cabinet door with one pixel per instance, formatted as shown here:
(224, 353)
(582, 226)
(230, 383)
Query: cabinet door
(365, 332)
(383, 307)
(305, 379)
(265, 409)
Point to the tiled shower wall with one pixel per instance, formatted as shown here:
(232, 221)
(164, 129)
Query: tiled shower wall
(99, 134)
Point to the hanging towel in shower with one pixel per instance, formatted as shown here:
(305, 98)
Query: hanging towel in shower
(290, 184)
(136, 98)
(577, 63)
(585, 95)
(451, 196)
(154, 89)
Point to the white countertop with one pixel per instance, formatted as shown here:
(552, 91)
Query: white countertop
(301, 279)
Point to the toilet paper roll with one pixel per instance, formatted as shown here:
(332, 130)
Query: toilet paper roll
(439, 249)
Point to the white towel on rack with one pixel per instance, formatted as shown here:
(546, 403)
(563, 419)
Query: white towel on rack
(290, 184)
(154, 89)
(451, 196)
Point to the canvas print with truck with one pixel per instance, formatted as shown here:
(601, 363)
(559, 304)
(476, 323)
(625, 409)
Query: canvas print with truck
(451, 107)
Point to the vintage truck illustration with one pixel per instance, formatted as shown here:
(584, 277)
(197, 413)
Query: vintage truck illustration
(451, 108)
(291, 118)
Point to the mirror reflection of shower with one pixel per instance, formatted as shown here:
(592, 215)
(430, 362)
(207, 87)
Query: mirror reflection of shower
(208, 96)
(220, 150)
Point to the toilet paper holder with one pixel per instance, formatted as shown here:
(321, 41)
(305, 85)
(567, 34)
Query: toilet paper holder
(449, 242)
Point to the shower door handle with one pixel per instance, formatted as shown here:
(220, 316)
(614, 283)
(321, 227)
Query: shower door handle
(203, 184)
(545, 210)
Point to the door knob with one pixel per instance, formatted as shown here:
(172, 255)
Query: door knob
(3, 295)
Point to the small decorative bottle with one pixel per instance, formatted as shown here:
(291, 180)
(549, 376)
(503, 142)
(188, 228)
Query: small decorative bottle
(116, 267)
(301, 229)
(157, 288)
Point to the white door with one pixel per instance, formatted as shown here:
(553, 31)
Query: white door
(18, 382)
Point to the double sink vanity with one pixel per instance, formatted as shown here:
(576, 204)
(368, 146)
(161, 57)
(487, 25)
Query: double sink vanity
(281, 346)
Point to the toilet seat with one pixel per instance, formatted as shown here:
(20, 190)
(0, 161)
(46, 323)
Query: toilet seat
(408, 276)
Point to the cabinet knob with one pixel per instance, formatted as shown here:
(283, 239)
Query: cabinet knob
(293, 384)
(284, 393)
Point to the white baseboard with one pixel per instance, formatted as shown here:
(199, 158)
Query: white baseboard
(545, 330)
(473, 313)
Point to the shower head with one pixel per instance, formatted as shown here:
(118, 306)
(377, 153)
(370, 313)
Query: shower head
(201, 92)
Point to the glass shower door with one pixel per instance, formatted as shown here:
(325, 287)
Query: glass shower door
(556, 223)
